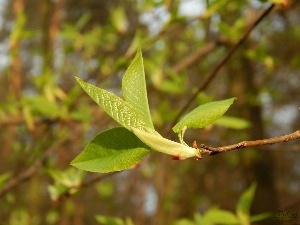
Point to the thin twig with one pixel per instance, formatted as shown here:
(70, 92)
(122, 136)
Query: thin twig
(245, 144)
(214, 72)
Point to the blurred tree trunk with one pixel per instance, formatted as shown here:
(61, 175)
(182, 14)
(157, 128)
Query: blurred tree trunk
(54, 28)
(53, 16)
(14, 45)
(258, 166)
(163, 187)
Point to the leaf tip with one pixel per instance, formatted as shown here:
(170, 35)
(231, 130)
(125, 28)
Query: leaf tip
(74, 162)
(139, 50)
(79, 80)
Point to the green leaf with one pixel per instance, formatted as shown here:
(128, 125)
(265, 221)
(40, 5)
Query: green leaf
(112, 150)
(218, 216)
(215, 6)
(42, 105)
(57, 190)
(134, 88)
(183, 222)
(173, 83)
(277, 1)
(65, 182)
(203, 115)
(83, 20)
(233, 122)
(119, 19)
(160, 144)
(107, 220)
(246, 199)
(244, 204)
(4, 178)
(69, 178)
(260, 217)
(135, 44)
(117, 108)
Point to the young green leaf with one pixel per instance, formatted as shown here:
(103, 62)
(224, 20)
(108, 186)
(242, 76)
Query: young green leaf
(109, 220)
(119, 19)
(160, 144)
(219, 216)
(134, 88)
(260, 217)
(112, 150)
(3, 179)
(203, 115)
(233, 122)
(244, 204)
(117, 108)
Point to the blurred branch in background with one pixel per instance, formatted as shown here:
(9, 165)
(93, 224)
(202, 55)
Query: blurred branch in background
(46, 119)
(223, 61)
(24, 176)
(16, 75)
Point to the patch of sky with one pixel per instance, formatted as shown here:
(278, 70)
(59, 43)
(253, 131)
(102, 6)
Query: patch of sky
(160, 45)
(159, 15)
(58, 59)
(4, 62)
(155, 19)
(285, 116)
(3, 6)
(4, 58)
(278, 23)
(256, 4)
(191, 8)
(150, 201)
(294, 187)
(36, 68)
(297, 168)
(266, 103)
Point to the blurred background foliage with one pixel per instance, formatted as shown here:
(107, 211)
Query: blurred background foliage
(46, 119)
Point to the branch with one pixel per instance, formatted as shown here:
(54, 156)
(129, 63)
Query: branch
(25, 176)
(245, 144)
(84, 184)
(194, 57)
(95, 178)
(30, 172)
(214, 72)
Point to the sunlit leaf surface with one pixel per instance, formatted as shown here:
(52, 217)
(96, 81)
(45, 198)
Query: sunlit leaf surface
(111, 150)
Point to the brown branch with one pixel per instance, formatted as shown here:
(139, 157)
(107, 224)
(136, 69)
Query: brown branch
(291, 203)
(84, 184)
(30, 172)
(215, 71)
(16, 75)
(245, 144)
(194, 57)
(26, 175)
(16, 121)
(95, 178)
